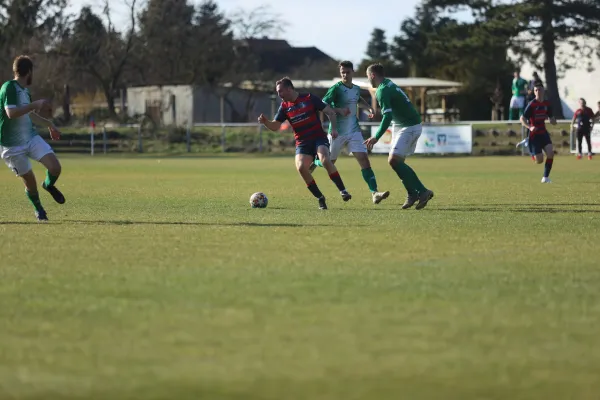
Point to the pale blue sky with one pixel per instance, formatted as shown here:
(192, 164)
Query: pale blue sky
(340, 29)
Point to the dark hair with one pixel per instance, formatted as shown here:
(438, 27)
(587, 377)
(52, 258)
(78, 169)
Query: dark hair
(376, 69)
(539, 85)
(583, 100)
(285, 82)
(22, 65)
(346, 64)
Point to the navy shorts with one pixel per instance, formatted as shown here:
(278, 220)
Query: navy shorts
(309, 147)
(538, 142)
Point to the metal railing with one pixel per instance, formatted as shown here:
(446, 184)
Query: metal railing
(489, 137)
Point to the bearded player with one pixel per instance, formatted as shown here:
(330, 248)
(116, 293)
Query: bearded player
(302, 111)
(19, 141)
(406, 130)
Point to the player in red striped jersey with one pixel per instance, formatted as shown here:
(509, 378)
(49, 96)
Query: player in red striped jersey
(302, 111)
(534, 119)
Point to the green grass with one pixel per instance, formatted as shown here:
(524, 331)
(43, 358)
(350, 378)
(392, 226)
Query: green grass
(157, 281)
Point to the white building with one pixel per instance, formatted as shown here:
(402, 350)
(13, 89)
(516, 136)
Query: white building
(574, 83)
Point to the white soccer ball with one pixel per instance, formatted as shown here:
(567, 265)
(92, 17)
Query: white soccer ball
(259, 200)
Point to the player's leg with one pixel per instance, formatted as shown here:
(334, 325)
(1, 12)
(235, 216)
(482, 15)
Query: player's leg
(18, 162)
(579, 143)
(359, 150)
(546, 144)
(403, 146)
(335, 147)
(513, 108)
(588, 140)
(41, 151)
(521, 105)
(334, 175)
(303, 163)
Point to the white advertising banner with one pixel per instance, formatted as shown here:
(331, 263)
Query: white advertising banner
(595, 141)
(436, 139)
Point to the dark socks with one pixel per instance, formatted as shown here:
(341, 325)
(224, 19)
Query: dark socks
(314, 189)
(548, 167)
(335, 177)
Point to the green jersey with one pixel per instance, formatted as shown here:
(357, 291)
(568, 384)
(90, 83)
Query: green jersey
(519, 87)
(17, 131)
(341, 96)
(393, 100)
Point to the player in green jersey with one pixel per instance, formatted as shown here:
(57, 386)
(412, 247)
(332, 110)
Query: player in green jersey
(19, 140)
(344, 98)
(517, 101)
(406, 130)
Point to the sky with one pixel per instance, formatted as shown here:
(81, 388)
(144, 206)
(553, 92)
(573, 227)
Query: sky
(340, 29)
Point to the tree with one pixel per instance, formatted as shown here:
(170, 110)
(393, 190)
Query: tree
(410, 48)
(534, 27)
(29, 27)
(378, 51)
(245, 68)
(99, 50)
(166, 33)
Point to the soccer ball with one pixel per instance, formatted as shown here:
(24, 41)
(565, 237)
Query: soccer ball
(259, 200)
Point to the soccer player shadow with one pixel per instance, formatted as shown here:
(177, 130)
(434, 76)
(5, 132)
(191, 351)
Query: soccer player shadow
(190, 223)
(521, 208)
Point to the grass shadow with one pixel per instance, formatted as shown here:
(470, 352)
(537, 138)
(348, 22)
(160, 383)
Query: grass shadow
(552, 210)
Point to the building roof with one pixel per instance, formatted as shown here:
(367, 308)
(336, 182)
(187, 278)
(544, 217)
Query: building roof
(284, 61)
(441, 86)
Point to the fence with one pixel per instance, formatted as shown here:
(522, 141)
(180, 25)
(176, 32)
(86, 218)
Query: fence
(488, 138)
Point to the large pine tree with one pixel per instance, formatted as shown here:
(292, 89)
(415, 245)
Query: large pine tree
(534, 28)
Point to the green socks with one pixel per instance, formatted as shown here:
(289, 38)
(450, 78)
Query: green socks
(34, 198)
(369, 177)
(409, 178)
(318, 163)
(50, 179)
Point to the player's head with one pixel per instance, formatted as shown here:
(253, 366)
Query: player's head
(346, 71)
(375, 74)
(517, 74)
(23, 69)
(582, 103)
(539, 92)
(285, 89)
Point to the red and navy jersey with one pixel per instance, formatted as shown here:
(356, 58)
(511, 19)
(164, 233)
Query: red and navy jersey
(536, 113)
(303, 114)
(584, 117)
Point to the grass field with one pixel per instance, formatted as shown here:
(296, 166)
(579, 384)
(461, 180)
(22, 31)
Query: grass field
(157, 281)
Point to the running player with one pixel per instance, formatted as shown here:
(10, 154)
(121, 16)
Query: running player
(302, 111)
(406, 130)
(344, 97)
(534, 119)
(585, 123)
(19, 140)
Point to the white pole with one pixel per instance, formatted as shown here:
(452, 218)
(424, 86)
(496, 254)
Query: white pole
(92, 141)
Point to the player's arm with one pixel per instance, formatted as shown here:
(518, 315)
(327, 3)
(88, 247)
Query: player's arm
(551, 115)
(275, 124)
(330, 99)
(40, 121)
(320, 105)
(10, 104)
(330, 112)
(526, 117)
(385, 104)
(366, 106)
